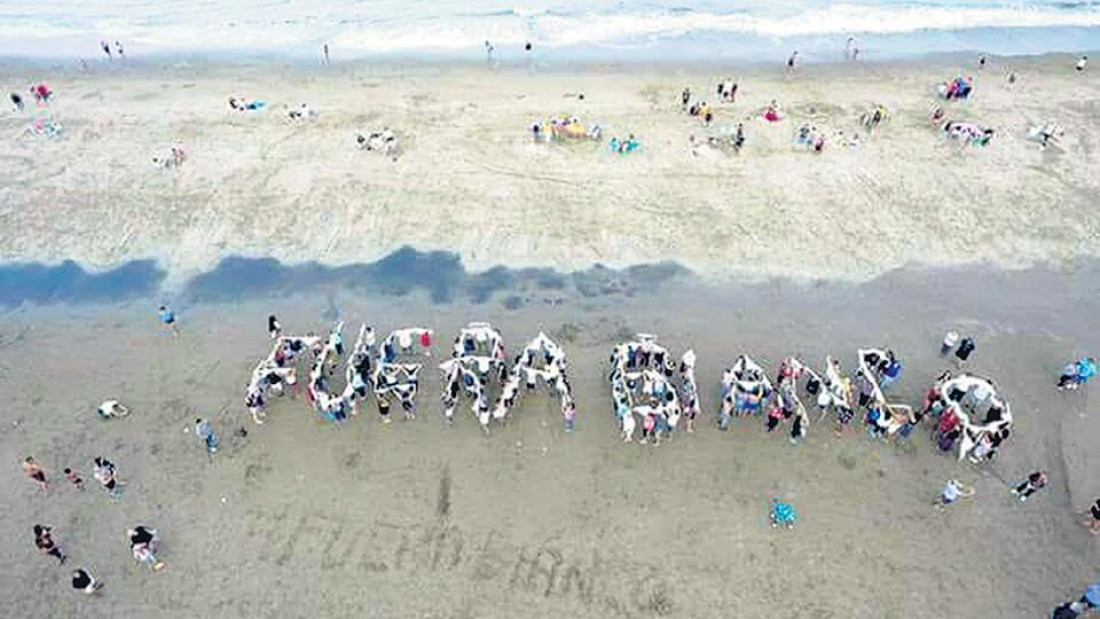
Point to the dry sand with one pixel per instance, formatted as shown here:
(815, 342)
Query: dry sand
(421, 520)
(471, 181)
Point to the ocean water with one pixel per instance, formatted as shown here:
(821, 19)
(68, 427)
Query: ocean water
(562, 30)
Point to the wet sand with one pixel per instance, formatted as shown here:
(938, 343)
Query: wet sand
(422, 520)
(472, 182)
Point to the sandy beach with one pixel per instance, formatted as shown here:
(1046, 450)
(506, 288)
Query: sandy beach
(471, 180)
(417, 519)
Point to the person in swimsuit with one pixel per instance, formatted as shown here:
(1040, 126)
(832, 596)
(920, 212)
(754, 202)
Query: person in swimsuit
(75, 479)
(35, 472)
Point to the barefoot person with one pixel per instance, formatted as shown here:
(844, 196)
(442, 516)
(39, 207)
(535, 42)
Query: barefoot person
(35, 472)
(83, 581)
(205, 431)
(105, 473)
(168, 317)
(143, 543)
(75, 479)
(1034, 482)
(1092, 519)
(46, 544)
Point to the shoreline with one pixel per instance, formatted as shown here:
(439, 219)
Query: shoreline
(439, 274)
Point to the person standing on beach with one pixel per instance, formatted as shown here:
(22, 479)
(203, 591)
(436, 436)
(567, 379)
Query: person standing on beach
(16, 101)
(36, 473)
(1034, 482)
(106, 49)
(489, 49)
(45, 543)
(792, 62)
(324, 52)
(83, 581)
(1092, 521)
(74, 479)
(118, 48)
(105, 473)
(1081, 62)
(143, 543)
(274, 329)
(205, 431)
(168, 317)
(966, 347)
(890, 374)
(950, 339)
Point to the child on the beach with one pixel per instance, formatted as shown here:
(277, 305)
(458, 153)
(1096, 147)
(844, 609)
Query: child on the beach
(953, 491)
(74, 478)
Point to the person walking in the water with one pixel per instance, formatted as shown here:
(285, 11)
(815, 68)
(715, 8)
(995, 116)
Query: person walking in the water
(205, 431)
(1034, 482)
(46, 544)
(83, 581)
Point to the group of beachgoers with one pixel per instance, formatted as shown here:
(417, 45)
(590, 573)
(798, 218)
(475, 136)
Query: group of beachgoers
(390, 372)
(643, 389)
(144, 541)
(479, 356)
(382, 370)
